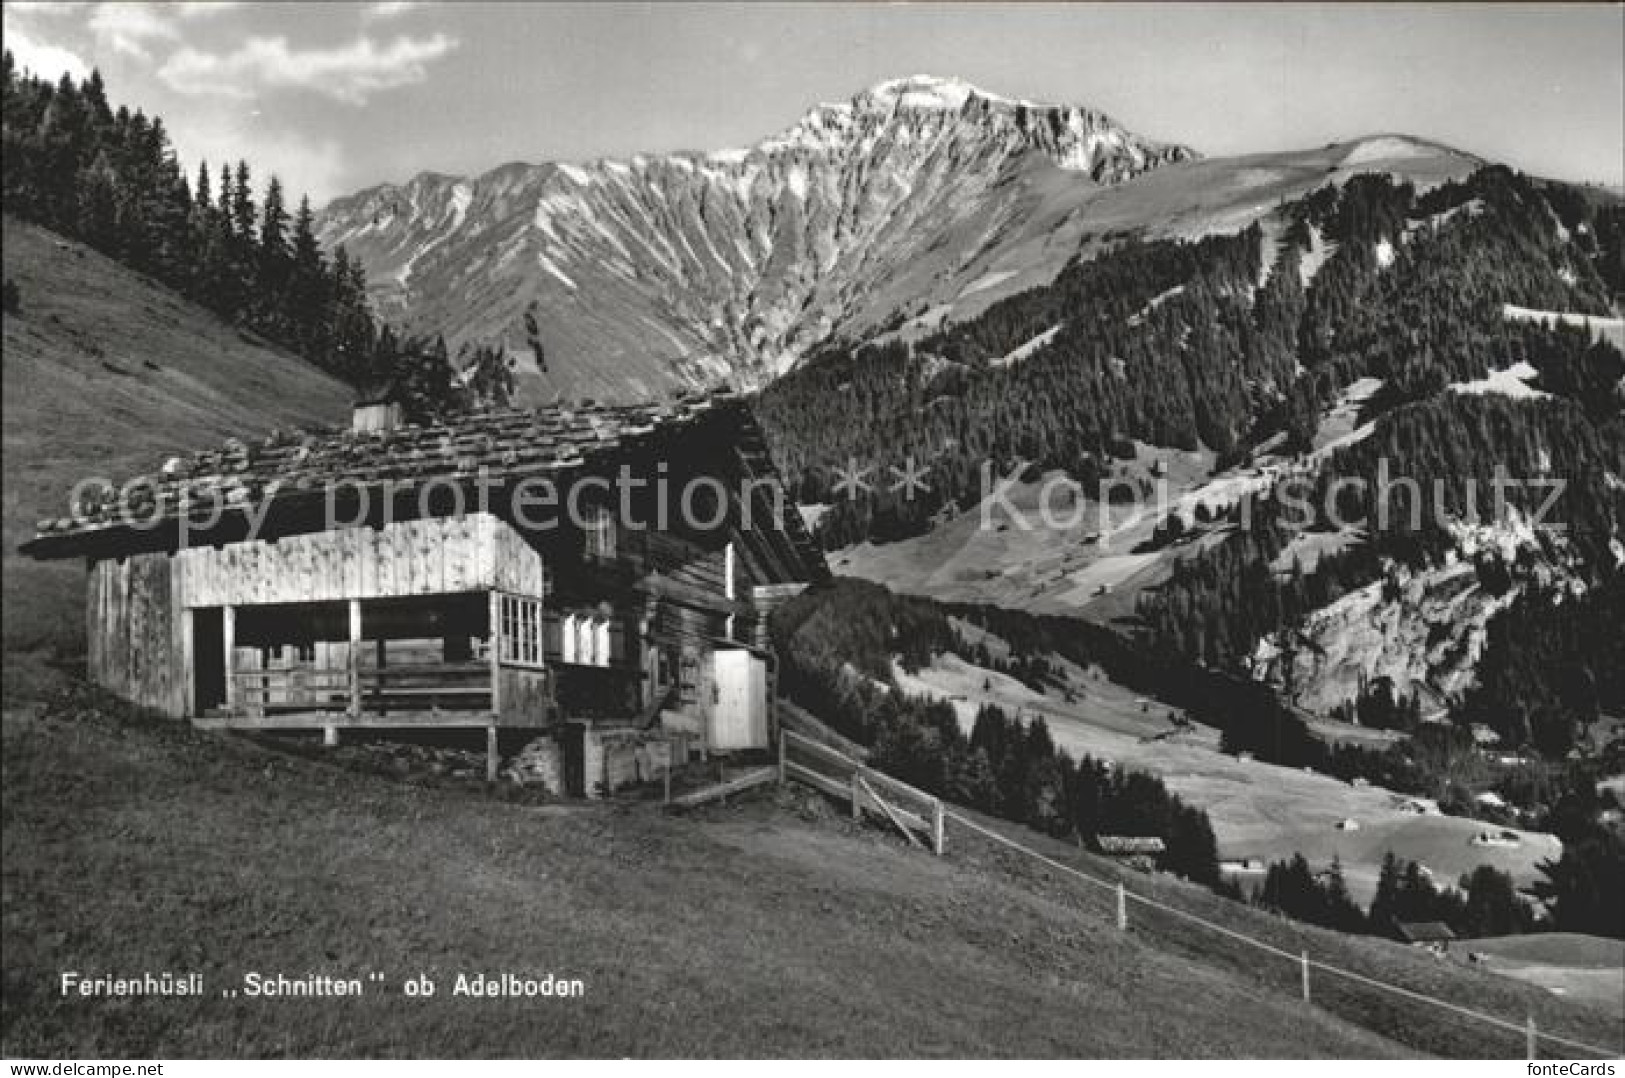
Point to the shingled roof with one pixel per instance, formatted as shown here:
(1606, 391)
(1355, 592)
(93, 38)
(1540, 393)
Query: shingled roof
(505, 445)
(1425, 931)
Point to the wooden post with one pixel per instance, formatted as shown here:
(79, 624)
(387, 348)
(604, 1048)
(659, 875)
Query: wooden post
(330, 734)
(381, 649)
(491, 757)
(880, 803)
(1304, 965)
(781, 757)
(1531, 1039)
(667, 782)
(939, 828)
(857, 795)
(188, 661)
(1122, 907)
(228, 643)
(495, 649)
(355, 658)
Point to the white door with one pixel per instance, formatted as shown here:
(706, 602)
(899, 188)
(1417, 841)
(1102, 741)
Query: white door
(739, 719)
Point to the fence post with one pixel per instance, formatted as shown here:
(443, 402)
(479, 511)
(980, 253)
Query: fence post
(939, 828)
(783, 737)
(1122, 906)
(1304, 964)
(857, 794)
(1531, 1039)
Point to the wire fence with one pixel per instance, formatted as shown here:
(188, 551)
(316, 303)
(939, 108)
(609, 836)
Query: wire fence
(1532, 1036)
(1527, 1029)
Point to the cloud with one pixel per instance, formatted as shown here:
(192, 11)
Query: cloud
(348, 73)
(135, 28)
(131, 28)
(44, 59)
(203, 9)
(42, 7)
(388, 9)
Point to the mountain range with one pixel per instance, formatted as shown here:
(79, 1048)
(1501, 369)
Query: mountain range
(919, 200)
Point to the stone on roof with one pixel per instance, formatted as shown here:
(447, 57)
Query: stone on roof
(1129, 844)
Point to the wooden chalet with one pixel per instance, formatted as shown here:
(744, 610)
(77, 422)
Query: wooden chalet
(1133, 851)
(1429, 935)
(395, 576)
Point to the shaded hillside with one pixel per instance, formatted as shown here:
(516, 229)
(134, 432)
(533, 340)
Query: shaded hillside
(100, 173)
(1358, 333)
(106, 374)
(1216, 344)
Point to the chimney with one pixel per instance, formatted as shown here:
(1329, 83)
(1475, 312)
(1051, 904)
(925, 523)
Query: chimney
(375, 415)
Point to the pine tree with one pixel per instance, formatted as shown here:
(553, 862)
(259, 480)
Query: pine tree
(169, 214)
(307, 286)
(533, 338)
(1493, 907)
(489, 376)
(271, 279)
(63, 143)
(1384, 915)
(242, 207)
(98, 214)
(225, 286)
(363, 354)
(424, 381)
(95, 93)
(273, 225)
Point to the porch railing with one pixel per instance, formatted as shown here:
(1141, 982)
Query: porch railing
(423, 687)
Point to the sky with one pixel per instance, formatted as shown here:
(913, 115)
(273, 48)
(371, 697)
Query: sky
(335, 97)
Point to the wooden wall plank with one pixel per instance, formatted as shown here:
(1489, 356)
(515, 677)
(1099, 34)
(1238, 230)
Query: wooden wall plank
(461, 572)
(421, 557)
(134, 641)
(360, 547)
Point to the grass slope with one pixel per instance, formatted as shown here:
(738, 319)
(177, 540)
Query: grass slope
(770, 927)
(1588, 969)
(1599, 1022)
(1061, 216)
(106, 374)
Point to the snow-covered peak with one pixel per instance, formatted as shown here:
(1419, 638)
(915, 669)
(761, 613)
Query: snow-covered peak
(922, 109)
(923, 92)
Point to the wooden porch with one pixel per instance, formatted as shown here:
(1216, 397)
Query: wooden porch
(452, 660)
(425, 694)
(437, 694)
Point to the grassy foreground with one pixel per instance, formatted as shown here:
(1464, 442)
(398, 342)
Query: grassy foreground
(766, 928)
